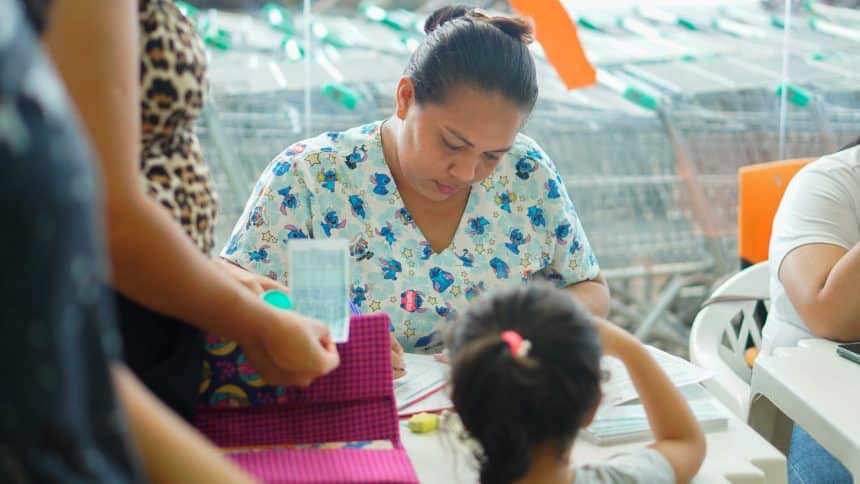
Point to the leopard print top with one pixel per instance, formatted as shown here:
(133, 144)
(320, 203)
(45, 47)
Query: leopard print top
(173, 82)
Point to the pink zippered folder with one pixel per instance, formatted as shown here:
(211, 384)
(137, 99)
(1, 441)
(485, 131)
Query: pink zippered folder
(354, 403)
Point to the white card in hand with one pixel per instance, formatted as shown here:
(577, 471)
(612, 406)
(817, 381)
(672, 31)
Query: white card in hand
(319, 282)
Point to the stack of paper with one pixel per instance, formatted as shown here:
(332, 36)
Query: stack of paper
(628, 423)
(422, 385)
(619, 388)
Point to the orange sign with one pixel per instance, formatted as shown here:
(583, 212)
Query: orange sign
(556, 32)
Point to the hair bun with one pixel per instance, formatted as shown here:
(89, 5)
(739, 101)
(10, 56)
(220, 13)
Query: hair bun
(444, 14)
(520, 28)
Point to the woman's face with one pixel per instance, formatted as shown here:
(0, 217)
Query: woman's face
(444, 148)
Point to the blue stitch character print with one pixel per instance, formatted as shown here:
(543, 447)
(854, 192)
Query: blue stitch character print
(505, 199)
(405, 217)
(332, 221)
(425, 340)
(526, 166)
(368, 128)
(466, 258)
(233, 245)
(357, 205)
(290, 201)
(517, 239)
(328, 179)
(412, 301)
(333, 136)
(281, 168)
(545, 260)
(388, 233)
(575, 245)
(390, 268)
(361, 250)
(260, 255)
(359, 294)
(500, 267)
(447, 311)
(552, 189)
(380, 183)
(561, 233)
(475, 290)
(442, 280)
(478, 226)
(536, 217)
(358, 155)
(294, 232)
(553, 275)
(426, 250)
(257, 218)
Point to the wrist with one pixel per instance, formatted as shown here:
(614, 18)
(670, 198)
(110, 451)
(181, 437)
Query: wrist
(245, 316)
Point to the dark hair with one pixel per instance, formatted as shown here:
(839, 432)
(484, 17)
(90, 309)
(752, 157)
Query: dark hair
(512, 404)
(464, 45)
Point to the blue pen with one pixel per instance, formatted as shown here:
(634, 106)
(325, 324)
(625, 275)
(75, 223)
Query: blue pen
(354, 309)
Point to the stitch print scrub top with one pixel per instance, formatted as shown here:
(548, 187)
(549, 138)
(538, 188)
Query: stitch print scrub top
(519, 224)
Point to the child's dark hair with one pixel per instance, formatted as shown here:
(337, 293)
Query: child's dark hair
(464, 45)
(511, 404)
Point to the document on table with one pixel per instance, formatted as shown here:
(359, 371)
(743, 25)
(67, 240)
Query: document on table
(424, 376)
(319, 282)
(618, 424)
(619, 389)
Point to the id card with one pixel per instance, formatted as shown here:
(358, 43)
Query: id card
(319, 282)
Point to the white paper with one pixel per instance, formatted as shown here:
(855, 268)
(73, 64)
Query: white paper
(424, 375)
(619, 389)
(628, 423)
(436, 402)
(319, 282)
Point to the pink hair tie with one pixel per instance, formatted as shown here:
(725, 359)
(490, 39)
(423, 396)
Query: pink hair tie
(519, 347)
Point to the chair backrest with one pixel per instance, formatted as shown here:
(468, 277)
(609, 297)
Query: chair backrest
(760, 189)
(727, 325)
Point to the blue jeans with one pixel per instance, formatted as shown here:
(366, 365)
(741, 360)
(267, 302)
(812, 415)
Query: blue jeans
(810, 463)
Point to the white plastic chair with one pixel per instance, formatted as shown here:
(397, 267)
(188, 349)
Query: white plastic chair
(722, 330)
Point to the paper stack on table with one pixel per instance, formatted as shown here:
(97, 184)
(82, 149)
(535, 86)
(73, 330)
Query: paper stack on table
(619, 419)
(619, 388)
(422, 388)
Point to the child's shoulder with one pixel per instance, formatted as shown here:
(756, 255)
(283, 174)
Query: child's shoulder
(646, 466)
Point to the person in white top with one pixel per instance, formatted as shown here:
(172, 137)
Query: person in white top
(814, 278)
(815, 255)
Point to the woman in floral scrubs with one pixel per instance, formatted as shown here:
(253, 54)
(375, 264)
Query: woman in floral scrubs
(442, 201)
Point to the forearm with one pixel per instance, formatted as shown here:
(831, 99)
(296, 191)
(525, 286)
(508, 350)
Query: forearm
(156, 264)
(94, 45)
(676, 432)
(668, 413)
(821, 281)
(170, 450)
(593, 294)
(838, 302)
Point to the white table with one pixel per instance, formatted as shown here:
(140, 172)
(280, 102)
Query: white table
(737, 455)
(813, 386)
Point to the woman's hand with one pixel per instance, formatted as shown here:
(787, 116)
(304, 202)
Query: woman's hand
(256, 283)
(398, 364)
(291, 349)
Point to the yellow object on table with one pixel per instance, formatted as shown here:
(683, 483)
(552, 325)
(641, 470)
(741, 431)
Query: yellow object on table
(423, 422)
